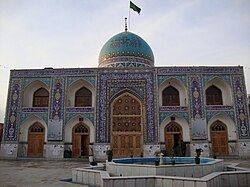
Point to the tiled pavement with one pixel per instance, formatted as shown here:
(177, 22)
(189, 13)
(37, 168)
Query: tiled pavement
(37, 173)
(40, 173)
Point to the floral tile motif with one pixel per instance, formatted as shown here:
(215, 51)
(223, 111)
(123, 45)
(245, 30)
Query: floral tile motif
(241, 108)
(13, 113)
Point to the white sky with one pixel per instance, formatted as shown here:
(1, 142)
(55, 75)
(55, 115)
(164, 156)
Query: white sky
(71, 33)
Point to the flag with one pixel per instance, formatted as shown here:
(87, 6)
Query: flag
(134, 7)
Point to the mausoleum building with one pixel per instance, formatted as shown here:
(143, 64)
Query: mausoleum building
(128, 105)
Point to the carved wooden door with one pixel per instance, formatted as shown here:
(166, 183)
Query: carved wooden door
(219, 139)
(36, 140)
(126, 127)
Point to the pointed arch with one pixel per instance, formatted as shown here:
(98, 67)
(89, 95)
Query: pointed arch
(41, 88)
(224, 87)
(84, 89)
(173, 136)
(126, 125)
(71, 124)
(83, 97)
(219, 138)
(41, 98)
(170, 96)
(177, 85)
(80, 140)
(213, 96)
(36, 138)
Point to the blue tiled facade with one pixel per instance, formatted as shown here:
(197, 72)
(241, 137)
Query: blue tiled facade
(142, 82)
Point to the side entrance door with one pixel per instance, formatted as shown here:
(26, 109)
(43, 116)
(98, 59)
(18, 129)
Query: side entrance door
(80, 142)
(36, 140)
(173, 137)
(219, 139)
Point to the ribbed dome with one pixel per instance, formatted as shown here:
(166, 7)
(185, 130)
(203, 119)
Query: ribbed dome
(126, 50)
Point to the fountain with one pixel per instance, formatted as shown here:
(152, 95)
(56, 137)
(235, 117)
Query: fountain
(172, 171)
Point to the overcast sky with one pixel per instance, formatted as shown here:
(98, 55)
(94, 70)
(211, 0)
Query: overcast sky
(71, 33)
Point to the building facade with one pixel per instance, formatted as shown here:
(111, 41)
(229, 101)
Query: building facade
(127, 105)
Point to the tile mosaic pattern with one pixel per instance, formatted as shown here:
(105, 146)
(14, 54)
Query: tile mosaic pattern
(122, 79)
(57, 99)
(90, 79)
(241, 108)
(45, 80)
(196, 95)
(13, 113)
(182, 78)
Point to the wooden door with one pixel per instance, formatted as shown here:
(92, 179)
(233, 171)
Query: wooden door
(173, 137)
(126, 127)
(169, 141)
(84, 145)
(219, 139)
(80, 140)
(36, 140)
(76, 145)
(126, 145)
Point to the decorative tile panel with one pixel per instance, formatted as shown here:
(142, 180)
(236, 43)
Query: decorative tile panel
(173, 108)
(35, 109)
(52, 72)
(182, 78)
(14, 104)
(196, 95)
(226, 78)
(211, 114)
(45, 80)
(90, 79)
(181, 114)
(80, 110)
(241, 108)
(89, 116)
(55, 124)
(27, 115)
(124, 77)
(195, 70)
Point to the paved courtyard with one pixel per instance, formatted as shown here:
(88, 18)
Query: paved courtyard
(40, 173)
(37, 173)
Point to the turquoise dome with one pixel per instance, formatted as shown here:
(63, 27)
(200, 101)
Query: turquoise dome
(126, 49)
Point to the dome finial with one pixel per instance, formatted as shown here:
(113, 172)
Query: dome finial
(126, 27)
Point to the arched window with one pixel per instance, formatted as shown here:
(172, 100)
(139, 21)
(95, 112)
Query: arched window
(213, 96)
(173, 127)
(83, 98)
(36, 127)
(170, 97)
(81, 129)
(218, 126)
(41, 98)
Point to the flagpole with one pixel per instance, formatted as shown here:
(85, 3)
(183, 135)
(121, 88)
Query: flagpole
(129, 17)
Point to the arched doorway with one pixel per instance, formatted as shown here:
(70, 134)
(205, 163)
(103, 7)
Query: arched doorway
(36, 140)
(173, 136)
(126, 126)
(219, 139)
(80, 140)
